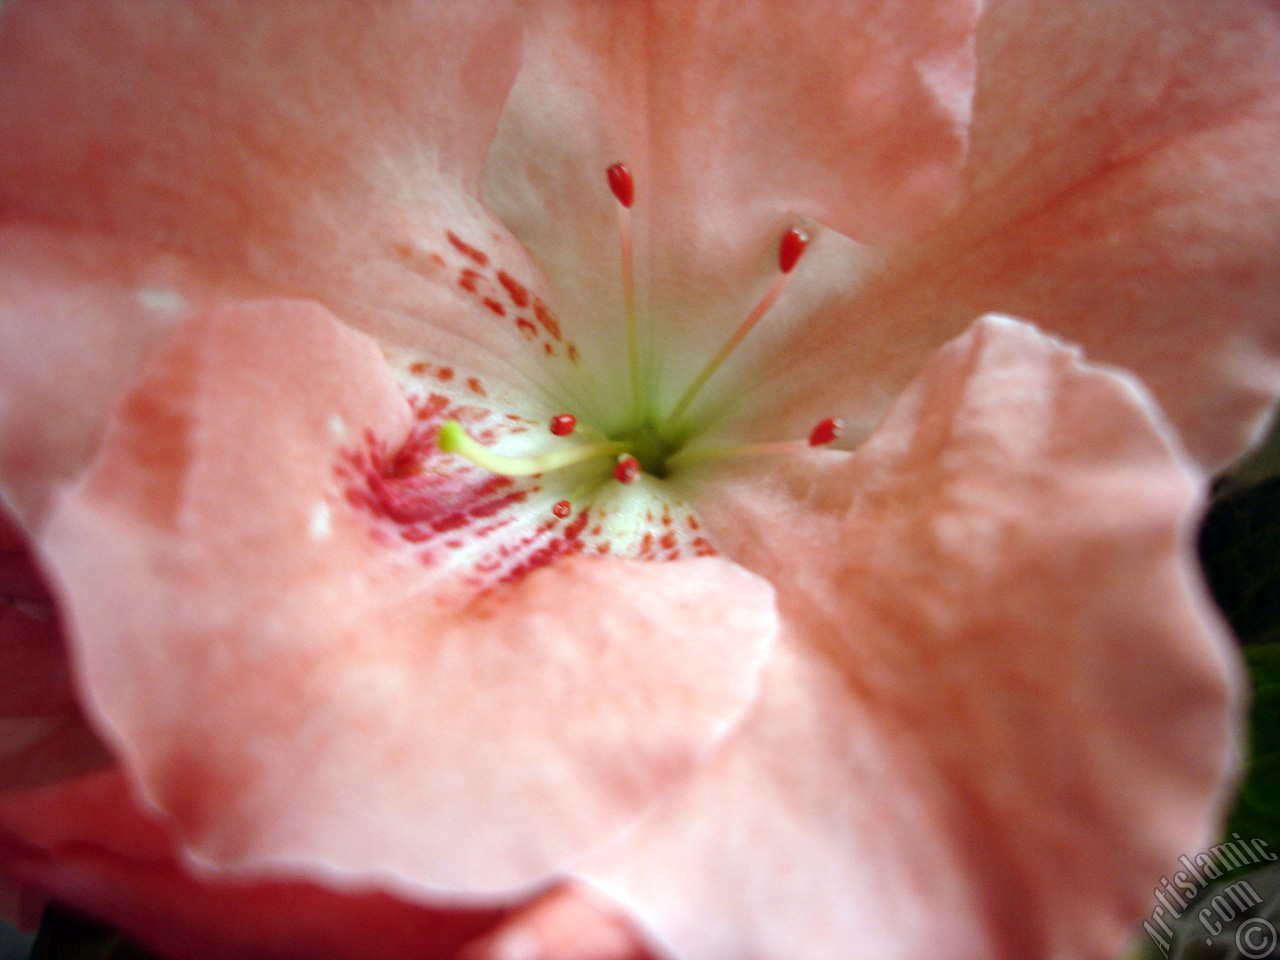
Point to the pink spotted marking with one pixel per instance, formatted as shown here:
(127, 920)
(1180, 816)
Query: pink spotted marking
(495, 289)
(515, 289)
(467, 250)
(473, 528)
(547, 319)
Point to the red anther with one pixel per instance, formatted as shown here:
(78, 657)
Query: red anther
(793, 243)
(563, 424)
(620, 182)
(825, 432)
(562, 509)
(626, 469)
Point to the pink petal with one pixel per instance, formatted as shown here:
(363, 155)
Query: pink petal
(321, 149)
(85, 843)
(1123, 190)
(735, 118)
(304, 692)
(1003, 705)
(852, 113)
(77, 316)
(569, 923)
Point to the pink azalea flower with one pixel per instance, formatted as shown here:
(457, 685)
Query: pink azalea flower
(325, 327)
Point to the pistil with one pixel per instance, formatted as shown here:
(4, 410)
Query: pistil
(454, 439)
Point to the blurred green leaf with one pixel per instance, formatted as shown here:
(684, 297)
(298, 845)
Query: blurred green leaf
(1262, 464)
(1257, 810)
(1240, 553)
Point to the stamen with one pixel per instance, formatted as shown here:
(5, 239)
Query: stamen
(790, 248)
(453, 439)
(626, 469)
(562, 508)
(624, 190)
(822, 434)
(825, 432)
(563, 424)
(622, 184)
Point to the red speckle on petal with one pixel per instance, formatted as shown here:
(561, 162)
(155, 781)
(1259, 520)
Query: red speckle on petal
(425, 263)
(476, 530)
(546, 319)
(464, 248)
(626, 469)
(430, 407)
(476, 387)
(574, 530)
(563, 424)
(790, 249)
(468, 279)
(622, 184)
(825, 432)
(495, 306)
(515, 289)
(444, 374)
(527, 328)
(418, 369)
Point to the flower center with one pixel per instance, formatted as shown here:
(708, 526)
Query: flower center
(651, 449)
(651, 444)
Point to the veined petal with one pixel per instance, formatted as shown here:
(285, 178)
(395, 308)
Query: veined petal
(1002, 705)
(78, 316)
(303, 690)
(1122, 189)
(735, 119)
(330, 150)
